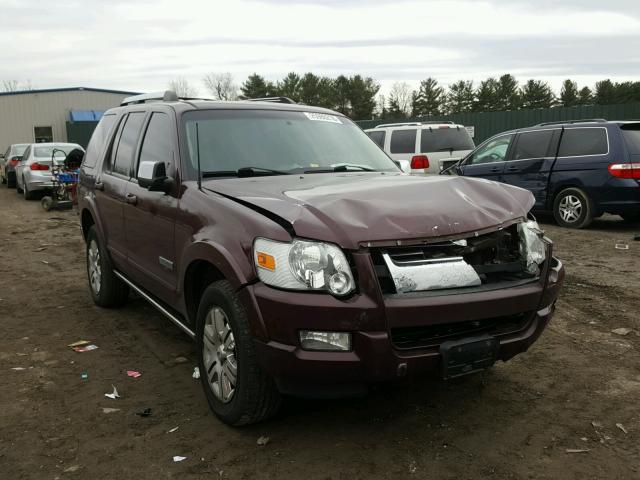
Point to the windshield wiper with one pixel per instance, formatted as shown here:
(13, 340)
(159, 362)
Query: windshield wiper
(243, 172)
(341, 168)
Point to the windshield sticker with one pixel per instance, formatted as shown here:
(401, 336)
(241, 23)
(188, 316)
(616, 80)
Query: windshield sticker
(322, 117)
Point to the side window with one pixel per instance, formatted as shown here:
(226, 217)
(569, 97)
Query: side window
(25, 154)
(378, 137)
(494, 151)
(532, 144)
(577, 142)
(98, 140)
(127, 144)
(403, 141)
(156, 146)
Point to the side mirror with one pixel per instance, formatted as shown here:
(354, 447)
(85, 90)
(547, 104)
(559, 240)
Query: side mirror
(153, 177)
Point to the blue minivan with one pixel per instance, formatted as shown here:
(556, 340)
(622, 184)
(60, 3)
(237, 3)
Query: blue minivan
(577, 170)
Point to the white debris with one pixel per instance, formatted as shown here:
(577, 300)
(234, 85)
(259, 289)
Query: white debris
(113, 395)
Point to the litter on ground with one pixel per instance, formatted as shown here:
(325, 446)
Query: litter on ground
(133, 374)
(113, 395)
(196, 373)
(178, 458)
(86, 348)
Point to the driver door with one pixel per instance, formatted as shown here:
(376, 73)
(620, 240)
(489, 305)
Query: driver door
(488, 160)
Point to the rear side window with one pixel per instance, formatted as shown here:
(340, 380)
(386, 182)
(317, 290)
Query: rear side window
(577, 142)
(156, 146)
(532, 145)
(98, 140)
(445, 139)
(631, 135)
(403, 141)
(377, 137)
(127, 143)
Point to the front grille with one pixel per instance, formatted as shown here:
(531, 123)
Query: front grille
(433, 335)
(494, 256)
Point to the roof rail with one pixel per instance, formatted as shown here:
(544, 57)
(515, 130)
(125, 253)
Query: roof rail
(582, 120)
(166, 96)
(269, 99)
(404, 124)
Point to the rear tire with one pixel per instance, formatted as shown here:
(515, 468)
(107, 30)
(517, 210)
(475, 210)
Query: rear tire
(107, 290)
(28, 194)
(224, 344)
(46, 202)
(18, 189)
(573, 208)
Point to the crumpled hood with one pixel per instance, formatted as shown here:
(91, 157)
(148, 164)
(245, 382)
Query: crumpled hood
(355, 208)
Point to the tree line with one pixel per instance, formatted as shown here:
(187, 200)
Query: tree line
(358, 96)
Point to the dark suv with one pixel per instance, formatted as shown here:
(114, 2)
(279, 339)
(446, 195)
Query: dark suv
(578, 170)
(299, 257)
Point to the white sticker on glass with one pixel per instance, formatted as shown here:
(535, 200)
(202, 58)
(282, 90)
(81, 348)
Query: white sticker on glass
(322, 117)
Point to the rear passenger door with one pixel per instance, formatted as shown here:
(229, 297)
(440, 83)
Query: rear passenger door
(149, 217)
(530, 162)
(111, 186)
(488, 159)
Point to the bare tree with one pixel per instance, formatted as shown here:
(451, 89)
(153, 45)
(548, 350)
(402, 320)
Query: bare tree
(401, 93)
(221, 86)
(10, 85)
(182, 87)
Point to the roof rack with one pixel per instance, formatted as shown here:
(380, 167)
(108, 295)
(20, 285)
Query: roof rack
(582, 120)
(403, 124)
(269, 99)
(166, 96)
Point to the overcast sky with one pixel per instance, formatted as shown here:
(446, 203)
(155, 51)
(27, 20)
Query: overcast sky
(139, 45)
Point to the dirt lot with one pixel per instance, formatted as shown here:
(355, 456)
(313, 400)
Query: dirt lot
(517, 421)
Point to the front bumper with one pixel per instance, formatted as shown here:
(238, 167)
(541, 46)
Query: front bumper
(372, 317)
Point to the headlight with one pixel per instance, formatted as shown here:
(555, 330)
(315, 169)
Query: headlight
(532, 247)
(303, 265)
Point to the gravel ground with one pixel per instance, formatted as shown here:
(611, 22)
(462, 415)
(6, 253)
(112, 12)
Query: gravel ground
(568, 408)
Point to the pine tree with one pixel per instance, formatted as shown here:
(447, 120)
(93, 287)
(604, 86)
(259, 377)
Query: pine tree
(362, 95)
(569, 93)
(507, 93)
(585, 96)
(487, 96)
(255, 86)
(605, 92)
(460, 97)
(290, 87)
(537, 94)
(430, 98)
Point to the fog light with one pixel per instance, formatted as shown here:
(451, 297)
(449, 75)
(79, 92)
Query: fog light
(325, 340)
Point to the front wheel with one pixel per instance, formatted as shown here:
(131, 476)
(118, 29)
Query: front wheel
(107, 290)
(572, 208)
(237, 389)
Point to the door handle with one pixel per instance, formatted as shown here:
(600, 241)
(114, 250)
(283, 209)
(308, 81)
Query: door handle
(495, 169)
(512, 168)
(99, 186)
(131, 199)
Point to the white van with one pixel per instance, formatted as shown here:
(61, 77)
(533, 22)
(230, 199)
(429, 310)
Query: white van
(423, 147)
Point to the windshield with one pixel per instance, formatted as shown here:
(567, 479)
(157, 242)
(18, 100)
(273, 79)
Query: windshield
(279, 141)
(445, 138)
(631, 134)
(45, 152)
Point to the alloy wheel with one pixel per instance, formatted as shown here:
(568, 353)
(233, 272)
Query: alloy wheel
(570, 208)
(219, 355)
(95, 269)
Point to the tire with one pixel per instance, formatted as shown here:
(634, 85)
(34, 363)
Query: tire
(107, 290)
(28, 194)
(631, 216)
(47, 203)
(572, 208)
(18, 189)
(254, 397)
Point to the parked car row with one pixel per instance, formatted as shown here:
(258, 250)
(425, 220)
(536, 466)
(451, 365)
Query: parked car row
(27, 166)
(578, 170)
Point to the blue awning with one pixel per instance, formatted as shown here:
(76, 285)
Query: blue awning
(85, 115)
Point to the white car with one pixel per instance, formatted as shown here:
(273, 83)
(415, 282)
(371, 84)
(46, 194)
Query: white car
(423, 147)
(33, 173)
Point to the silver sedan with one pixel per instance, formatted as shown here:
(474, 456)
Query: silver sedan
(33, 173)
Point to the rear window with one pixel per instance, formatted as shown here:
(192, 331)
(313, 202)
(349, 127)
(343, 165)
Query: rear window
(445, 139)
(19, 149)
(577, 142)
(127, 143)
(403, 141)
(47, 152)
(377, 137)
(631, 135)
(532, 145)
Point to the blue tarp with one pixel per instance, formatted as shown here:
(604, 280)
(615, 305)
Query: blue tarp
(85, 115)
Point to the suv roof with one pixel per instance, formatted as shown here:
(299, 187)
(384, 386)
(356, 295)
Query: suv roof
(430, 124)
(182, 104)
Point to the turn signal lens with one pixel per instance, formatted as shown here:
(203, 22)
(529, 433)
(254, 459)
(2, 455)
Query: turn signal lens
(419, 161)
(266, 261)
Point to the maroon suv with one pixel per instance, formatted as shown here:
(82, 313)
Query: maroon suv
(297, 254)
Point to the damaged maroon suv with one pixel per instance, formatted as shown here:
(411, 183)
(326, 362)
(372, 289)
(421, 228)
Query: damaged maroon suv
(299, 257)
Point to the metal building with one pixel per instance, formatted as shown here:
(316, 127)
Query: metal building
(48, 115)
